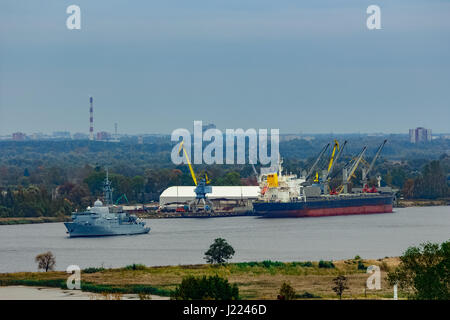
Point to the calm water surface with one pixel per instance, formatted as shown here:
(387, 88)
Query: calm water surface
(184, 241)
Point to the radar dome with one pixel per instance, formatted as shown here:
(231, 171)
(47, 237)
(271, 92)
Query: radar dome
(98, 203)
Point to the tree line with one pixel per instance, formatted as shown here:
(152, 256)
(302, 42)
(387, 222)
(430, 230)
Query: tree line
(36, 186)
(55, 195)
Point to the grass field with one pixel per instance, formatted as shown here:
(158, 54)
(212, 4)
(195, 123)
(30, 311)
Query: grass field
(256, 280)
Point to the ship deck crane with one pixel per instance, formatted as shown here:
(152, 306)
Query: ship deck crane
(335, 160)
(335, 147)
(332, 163)
(365, 172)
(201, 189)
(311, 170)
(347, 174)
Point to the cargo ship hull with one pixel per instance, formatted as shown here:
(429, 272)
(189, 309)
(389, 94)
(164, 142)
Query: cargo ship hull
(325, 206)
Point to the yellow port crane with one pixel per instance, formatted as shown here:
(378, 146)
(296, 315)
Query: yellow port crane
(201, 189)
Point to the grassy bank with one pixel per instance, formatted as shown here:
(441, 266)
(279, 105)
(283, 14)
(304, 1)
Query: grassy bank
(27, 220)
(256, 280)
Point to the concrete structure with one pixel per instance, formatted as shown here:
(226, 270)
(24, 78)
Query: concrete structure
(419, 135)
(185, 194)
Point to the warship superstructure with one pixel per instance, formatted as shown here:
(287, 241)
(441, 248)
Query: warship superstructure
(104, 219)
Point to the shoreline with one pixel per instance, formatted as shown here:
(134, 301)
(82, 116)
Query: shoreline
(403, 203)
(32, 220)
(406, 203)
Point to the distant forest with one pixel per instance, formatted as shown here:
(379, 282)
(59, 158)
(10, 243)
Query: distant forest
(52, 178)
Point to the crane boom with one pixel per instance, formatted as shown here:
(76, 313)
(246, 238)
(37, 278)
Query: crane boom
(330, 169)
(311, 170)
(356, 163)
(348, 174)
(336, 146)
(372, 163)
(188, 161)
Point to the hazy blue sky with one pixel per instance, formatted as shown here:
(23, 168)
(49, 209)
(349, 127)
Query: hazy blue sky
(153, 66)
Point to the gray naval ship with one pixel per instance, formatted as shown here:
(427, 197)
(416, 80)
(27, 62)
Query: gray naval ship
(104, 219)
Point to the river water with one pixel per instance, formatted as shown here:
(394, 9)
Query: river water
(184, 241)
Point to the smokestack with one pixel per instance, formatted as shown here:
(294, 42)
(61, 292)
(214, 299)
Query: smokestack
(91, 119)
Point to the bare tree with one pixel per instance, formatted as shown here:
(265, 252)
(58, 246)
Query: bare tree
(46, 261)
(341, 285)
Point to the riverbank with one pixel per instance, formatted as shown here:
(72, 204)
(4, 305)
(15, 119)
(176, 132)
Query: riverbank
(403, 203)
(30, 220)
(256, 280)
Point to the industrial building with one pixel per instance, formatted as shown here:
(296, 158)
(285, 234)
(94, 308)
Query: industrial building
(224, 198)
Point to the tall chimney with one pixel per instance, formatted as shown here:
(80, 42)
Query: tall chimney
(91, 119)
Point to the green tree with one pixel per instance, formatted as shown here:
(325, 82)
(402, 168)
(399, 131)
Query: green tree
(137, 186)
(95, 182)
(424, 272)
(219, 252)
(205, 288)
(232, 178)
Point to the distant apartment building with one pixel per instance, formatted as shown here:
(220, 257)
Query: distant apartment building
(103, 136)
(419, 135)
(18, 136)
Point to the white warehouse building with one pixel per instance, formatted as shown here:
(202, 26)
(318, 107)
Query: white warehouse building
(185, 194)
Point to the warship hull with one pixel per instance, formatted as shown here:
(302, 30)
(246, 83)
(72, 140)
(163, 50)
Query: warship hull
(80, 230)
(325, 206)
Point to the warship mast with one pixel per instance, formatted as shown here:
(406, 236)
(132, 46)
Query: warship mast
(107, 191)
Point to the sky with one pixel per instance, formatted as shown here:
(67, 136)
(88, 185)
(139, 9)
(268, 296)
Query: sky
(154, 66)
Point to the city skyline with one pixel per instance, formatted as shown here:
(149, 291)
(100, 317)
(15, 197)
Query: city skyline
(153, 67)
